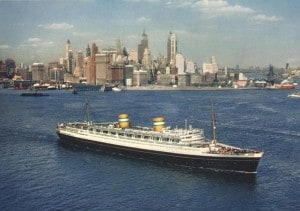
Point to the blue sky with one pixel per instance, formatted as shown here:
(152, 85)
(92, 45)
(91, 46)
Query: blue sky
(236, 32)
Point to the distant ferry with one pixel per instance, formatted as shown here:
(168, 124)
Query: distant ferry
(184, 147)
(86, 87)
(294, 95)
(33, 94)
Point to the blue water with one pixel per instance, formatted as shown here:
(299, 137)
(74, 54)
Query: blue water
(37, 173)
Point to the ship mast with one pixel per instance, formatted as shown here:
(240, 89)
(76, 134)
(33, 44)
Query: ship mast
(87, 113)
(213, 124)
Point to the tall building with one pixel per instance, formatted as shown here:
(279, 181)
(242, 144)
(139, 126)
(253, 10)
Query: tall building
(142, 46)
(133, 57)
(38, 71)
(147, 58)
(68, 47)
(211, 67)
(91, 66)
(69, 58)
(171, 48)
(102, 63)
(79, 65)
(214, 64)
(190, 67)
(180, 63)
(118, 47)
(88, 51)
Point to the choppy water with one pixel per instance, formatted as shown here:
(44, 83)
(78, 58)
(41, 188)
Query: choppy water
(37, 173)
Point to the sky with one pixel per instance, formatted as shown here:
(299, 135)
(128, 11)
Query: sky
(237, 32)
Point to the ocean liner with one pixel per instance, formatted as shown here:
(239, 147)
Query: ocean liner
(179, 146)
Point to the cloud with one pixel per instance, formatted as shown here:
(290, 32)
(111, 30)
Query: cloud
(34, 40)
(37, 42)
(211, 8)
(143, 20)
(3, 47)
(137, 1)
(260, 18)
(56, 26)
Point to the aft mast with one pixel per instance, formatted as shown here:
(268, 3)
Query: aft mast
(213, 124)
(87, 113)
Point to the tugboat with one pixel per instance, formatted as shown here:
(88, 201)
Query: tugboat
(34, 94)
(184, 147)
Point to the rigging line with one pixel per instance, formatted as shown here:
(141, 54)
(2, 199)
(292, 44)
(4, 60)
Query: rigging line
(213, 125)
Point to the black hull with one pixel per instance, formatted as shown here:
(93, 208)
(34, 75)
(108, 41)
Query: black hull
(245, 165)
(34, 94)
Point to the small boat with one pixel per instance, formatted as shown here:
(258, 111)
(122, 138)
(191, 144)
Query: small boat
(116, 89)
(294, 95)
(34, 94)
(287, 86)
(178, 146)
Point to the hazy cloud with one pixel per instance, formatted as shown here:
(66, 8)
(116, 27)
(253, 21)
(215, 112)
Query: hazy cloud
(143, 20)
(3, 47)
(211, 8)
(136, 1)
(37, 42)
(34, 40)
(260, 18)
(56, 26)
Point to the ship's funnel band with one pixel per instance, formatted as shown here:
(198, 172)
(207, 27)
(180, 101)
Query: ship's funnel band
(123, 120)
(158, 123)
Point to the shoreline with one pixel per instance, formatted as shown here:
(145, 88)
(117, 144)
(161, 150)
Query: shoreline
(167, 88)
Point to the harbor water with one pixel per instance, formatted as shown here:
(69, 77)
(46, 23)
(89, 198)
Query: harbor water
(38, 173)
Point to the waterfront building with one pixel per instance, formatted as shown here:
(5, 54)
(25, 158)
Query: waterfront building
(142, 46)
(242, 80)
(140, 78)
(116, 74)
(38, 71)
(128, 75)
(196, 79)
(171, 48)
(133, 57)
(211, 67)
(207, 68)
(213, 61)
(102, 63)
(165, 79)
(183, 79)
(179, 61)
(79, 65)
(190, 67)
(147, 58)
(91, 66)
(3, 73)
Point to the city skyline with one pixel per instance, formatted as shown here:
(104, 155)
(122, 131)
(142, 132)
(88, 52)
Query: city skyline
(236, 32)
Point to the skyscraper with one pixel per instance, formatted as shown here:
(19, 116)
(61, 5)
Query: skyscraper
(91, 66)
(142, 46)
(88, 51)
(214, 64)
(171, 48)
(147, 58)
(118, 47)
(79, 64)
(180, 63)
(69, 57)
